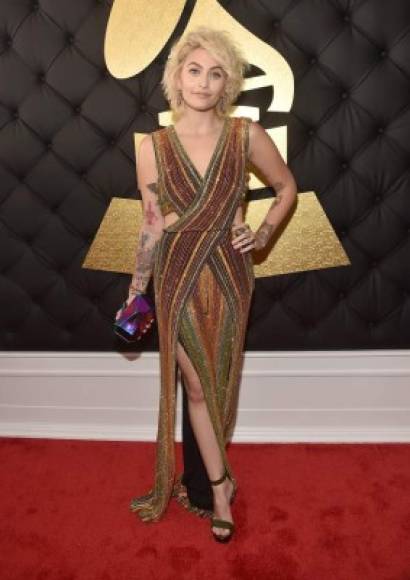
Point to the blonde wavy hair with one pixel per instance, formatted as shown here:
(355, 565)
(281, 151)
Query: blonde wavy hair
(221, 46)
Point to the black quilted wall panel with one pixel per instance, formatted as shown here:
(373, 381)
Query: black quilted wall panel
(66, 148)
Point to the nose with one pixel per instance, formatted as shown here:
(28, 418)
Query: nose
(203, 81)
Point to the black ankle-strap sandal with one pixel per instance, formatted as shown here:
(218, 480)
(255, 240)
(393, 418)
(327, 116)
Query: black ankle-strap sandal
(219, 523)
(221, 480)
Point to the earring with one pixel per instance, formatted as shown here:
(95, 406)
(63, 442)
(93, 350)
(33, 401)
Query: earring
(179, 98)
(222, 103)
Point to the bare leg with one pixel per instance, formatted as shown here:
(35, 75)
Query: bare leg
(195, 481)
(206, 439)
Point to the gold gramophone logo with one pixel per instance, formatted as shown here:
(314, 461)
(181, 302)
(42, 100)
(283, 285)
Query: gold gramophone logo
(136, 33)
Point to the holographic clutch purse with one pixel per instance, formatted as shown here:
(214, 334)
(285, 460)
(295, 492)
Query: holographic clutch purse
(136, 318)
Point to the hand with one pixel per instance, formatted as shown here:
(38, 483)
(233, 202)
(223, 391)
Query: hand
(244, 237)
(129, 299)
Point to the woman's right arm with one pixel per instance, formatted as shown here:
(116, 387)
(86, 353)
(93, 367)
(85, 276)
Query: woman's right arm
(152, 225)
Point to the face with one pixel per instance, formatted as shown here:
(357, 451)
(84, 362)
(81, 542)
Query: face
(202, 80)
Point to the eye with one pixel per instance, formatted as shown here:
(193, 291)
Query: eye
(217, 74)
(193, 70)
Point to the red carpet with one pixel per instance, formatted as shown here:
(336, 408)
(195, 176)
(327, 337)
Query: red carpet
(303, 512)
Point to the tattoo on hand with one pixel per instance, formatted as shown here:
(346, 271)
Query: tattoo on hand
(239, 229)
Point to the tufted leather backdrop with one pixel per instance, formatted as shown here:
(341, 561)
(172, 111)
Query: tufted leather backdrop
(66, 148)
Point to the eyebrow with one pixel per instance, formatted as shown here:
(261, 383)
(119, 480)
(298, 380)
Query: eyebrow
(215, 66)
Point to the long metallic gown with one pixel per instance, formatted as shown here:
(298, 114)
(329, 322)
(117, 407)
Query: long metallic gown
(203, 288)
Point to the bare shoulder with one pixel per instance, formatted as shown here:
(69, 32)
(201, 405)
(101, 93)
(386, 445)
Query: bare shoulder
(260, 140)
(256, 132)
(146, 162)
(146, 152)
(146, 145)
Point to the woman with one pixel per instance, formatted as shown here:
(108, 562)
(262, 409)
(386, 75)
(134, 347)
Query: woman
(193, 181)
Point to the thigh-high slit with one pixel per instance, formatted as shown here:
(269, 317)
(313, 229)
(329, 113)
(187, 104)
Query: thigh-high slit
(206, 344)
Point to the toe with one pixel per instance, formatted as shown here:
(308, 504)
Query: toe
(219, 532)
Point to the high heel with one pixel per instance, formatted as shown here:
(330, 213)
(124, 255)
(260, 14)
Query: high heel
(219, 523)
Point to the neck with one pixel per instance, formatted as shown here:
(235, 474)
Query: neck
(199, 122)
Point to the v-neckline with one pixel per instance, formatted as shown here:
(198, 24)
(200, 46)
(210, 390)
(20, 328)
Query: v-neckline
(181, 148)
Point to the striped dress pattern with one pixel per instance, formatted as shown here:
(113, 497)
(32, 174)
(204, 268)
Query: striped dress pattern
(203, 288)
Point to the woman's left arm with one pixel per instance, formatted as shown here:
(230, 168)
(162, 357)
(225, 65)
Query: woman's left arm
(264, 155)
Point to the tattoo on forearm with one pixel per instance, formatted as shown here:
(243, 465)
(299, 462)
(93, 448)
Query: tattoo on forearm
(144, 261)
(153, 187)
(150, 215)
(263, 234)
(146, 246)
(265, 230)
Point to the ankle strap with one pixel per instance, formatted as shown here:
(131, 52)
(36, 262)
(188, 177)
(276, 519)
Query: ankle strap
(220, 480)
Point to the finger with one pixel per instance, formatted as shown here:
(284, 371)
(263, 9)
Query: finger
(248, 247)
(248, 239)
(245, 244)
(240, 238)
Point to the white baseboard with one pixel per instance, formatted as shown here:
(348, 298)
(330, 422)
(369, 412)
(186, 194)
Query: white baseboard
(285, 396)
